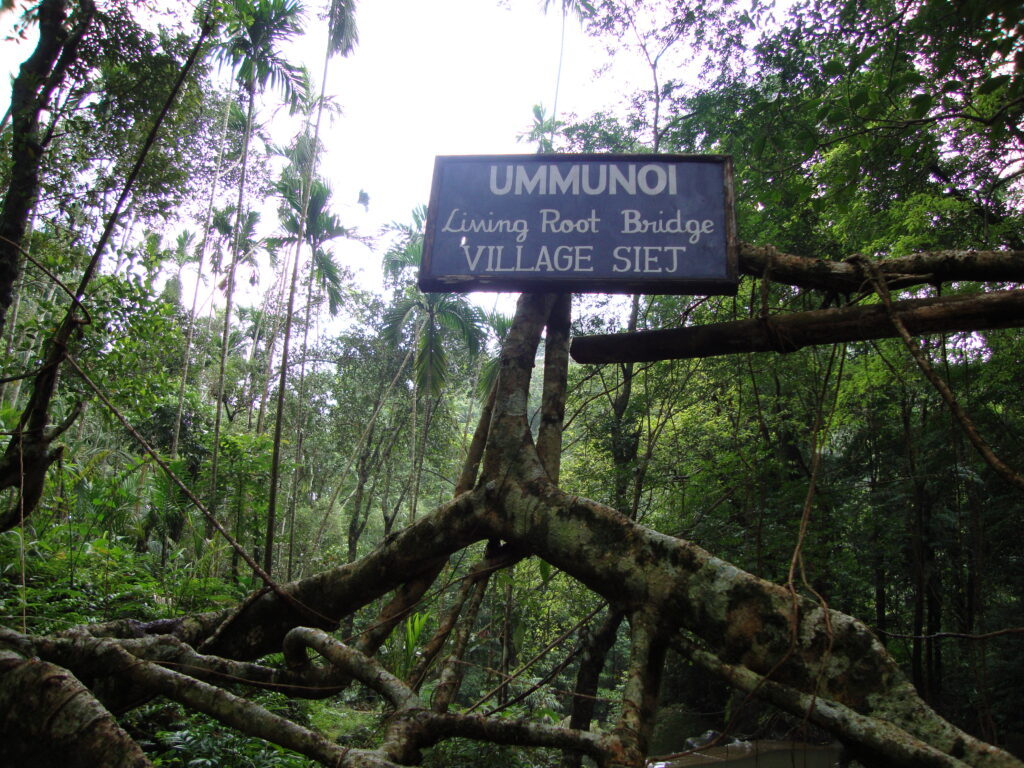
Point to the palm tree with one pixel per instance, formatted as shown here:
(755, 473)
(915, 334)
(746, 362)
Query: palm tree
(230, 110)
(341, 40)
(435, 315)
(581, 9)
(499, 324)
(255, 30)
(306, 222)
(183, 255)
(436, 319)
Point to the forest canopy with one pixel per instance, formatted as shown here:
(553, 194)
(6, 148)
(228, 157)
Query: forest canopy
(336, 526)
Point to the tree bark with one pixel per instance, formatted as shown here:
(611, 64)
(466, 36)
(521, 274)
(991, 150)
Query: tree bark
(597, 644)
(850, 277)
(31, 90)
(556, 369)
(759, 636)
(788, 333)
(49, 718)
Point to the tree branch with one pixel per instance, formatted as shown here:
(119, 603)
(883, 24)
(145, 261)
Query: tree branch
(788, 333)
(556, 372)
(47, 717)
(850, 277)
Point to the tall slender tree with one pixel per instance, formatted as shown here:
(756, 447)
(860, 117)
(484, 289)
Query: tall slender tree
(226, 111)
(341, 40)
(308, 222)
(434, 318)
(255, 31)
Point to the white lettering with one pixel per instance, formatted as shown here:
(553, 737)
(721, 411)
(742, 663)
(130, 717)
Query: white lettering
(633, 223)
(562, 258)
(505, 188)
(500, 249)
(584, 178)
(520, 267)
(602, 179)
(646, 259)
(661, 179)
(461, 222)
(551, 221)
(526, 185)
(472, 261)
(544, 260)
(621, 262)
(628, 182)
(570, 183)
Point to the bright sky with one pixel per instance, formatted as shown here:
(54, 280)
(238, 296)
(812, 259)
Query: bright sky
(445, 77)
(452, 77)
(428, 78)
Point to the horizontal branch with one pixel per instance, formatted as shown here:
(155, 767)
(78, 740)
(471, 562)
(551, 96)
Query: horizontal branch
(360, 666)
(801, 646)
(414, 730)
(788, 333)
(871, 739)
(77, 652)
(261, 627)
(932, 267)
(310, 682)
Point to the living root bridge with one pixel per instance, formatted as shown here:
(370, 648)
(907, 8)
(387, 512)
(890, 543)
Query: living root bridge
(853, 277)
(788, 333)
(931, 267)
(756, 634)
(759, 636)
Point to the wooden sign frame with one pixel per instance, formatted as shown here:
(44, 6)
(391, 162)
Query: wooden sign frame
(657, 224)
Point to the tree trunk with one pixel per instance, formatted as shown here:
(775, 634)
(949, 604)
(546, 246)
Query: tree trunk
(230, 295)
(38, 77)
(282, 381)
(207, 225)
(598, 643)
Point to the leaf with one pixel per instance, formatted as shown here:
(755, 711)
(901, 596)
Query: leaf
(834, 68)
(920, 104)
(858, 100)
(992, 84)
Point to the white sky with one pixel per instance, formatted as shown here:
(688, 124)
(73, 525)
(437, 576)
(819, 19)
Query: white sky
(427, 78)
(453, 77)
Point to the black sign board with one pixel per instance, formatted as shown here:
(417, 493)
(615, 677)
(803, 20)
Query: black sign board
(586, 223)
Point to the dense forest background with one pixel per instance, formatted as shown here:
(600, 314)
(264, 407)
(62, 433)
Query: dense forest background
(314, 419)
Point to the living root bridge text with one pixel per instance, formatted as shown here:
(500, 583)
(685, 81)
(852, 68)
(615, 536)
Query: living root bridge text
(552, 222)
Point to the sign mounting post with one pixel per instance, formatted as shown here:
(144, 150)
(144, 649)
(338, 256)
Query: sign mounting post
(659, 224)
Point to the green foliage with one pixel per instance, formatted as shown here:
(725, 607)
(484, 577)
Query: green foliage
(854, 128)
(254, 32)
(463, 753)
(414, 626)
(435, 317)
(203, 743)
(352, 727)
(74, 573)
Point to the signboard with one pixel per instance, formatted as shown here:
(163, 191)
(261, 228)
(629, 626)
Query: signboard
(584, 223)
